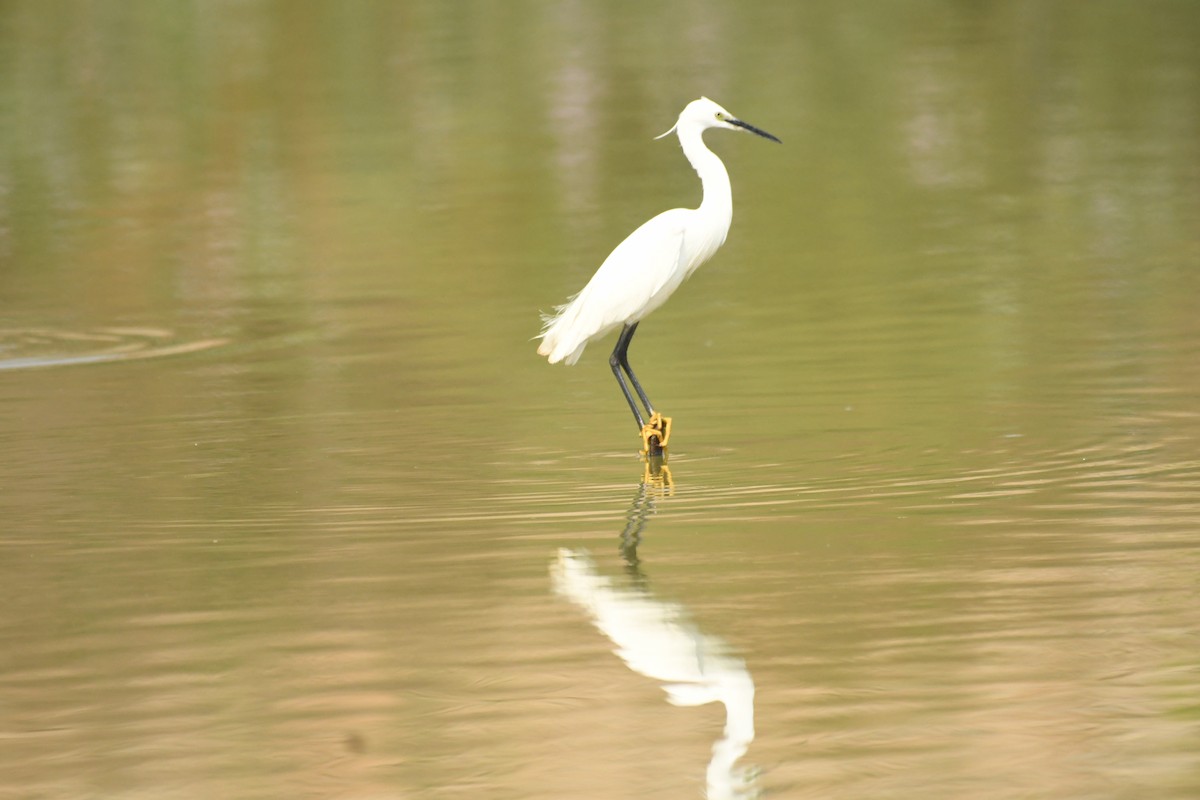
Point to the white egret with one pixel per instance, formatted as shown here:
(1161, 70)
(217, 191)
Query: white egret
(642, 272)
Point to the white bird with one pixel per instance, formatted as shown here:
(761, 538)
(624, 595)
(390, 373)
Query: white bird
(642, 272)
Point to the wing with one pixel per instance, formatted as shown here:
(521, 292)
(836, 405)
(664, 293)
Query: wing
(628, 285)
(638, 269)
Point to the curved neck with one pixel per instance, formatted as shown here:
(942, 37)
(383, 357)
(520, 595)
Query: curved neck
(718, 196)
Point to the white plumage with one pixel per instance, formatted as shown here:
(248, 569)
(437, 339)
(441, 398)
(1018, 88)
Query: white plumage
(642, 272)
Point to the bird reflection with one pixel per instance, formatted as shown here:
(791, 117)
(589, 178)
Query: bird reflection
(658, 639)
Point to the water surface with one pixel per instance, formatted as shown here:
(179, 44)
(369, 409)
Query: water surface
(290, 508)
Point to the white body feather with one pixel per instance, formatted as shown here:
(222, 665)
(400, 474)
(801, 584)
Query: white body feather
(642, 272)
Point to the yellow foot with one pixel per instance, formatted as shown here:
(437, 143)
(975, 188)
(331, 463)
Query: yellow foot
(655, 435)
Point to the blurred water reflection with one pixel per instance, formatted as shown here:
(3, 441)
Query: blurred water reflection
(658, 639)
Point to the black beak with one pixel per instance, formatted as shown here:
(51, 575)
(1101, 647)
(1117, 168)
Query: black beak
(752, 129)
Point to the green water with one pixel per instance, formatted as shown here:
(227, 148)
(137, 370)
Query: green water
(290, 508)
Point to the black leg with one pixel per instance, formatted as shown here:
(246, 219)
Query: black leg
(622, 353)
(619, 360)
(657, 430)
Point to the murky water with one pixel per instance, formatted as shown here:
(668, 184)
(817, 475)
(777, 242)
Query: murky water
(290, 508)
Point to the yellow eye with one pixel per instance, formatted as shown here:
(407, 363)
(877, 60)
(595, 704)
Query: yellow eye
(720, 116)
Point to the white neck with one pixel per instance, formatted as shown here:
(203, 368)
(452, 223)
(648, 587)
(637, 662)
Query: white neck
(718, 196)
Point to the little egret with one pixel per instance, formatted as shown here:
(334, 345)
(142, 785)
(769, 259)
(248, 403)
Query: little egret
(642, 272)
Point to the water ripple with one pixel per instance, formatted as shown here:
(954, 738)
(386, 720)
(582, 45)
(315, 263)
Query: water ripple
(39, 348)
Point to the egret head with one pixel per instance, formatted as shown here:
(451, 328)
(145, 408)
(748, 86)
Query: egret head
(703, 114)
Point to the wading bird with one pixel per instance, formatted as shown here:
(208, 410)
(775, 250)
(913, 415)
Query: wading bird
(642, 272)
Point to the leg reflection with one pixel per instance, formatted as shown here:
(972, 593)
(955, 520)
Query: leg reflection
(656, 483)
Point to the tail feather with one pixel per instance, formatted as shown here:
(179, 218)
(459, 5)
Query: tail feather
(562, 339)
